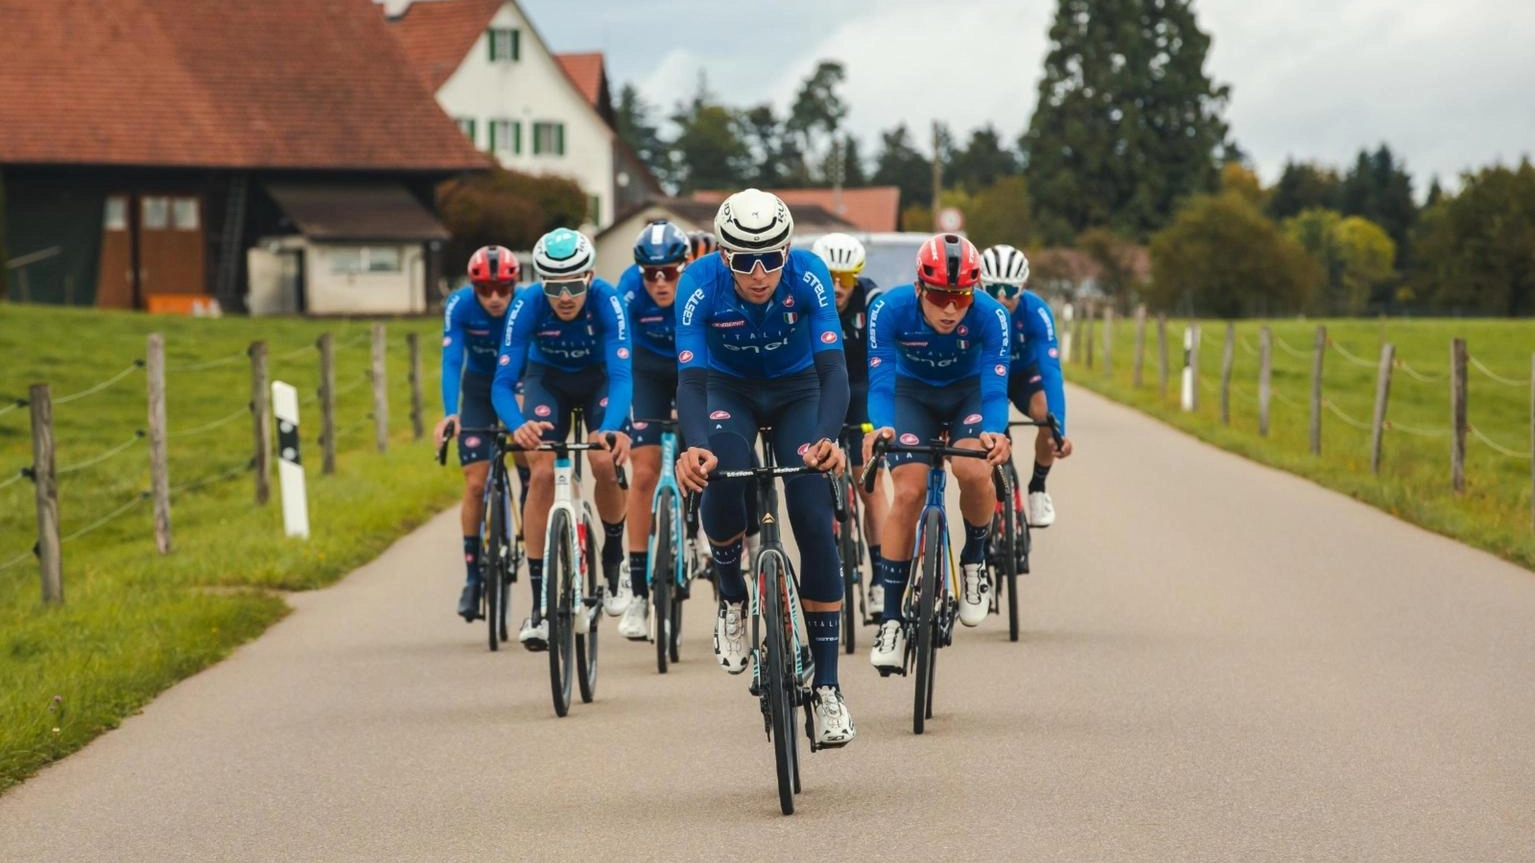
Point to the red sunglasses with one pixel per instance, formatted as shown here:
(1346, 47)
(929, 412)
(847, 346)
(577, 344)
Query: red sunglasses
(669, 272)
(500, 289)
(941, 297)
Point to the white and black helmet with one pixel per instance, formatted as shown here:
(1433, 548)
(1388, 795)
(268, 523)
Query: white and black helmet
(563, 253)
(1004, 265)
(753, 221)
(841, 252)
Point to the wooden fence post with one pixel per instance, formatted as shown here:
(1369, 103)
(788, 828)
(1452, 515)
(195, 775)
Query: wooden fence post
(1140, 343)
(1108, 342)
(159, 475)
(1265, 379)
(262, 421)
(1382, 393)
(1228, 359)
(1193, 366)
(380, 391)
(46, 484)
(1087, 345)
(1458, 415)
(327, 404)
(414, 344)
(1162, 352)
(1316, 390)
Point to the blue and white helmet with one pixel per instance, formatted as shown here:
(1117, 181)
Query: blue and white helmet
(660, 243)
(563, 254)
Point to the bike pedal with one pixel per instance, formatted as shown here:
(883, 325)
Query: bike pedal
(886, 672)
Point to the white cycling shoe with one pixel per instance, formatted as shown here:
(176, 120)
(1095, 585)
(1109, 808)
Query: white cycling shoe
(833, 723)
(730, 636)
(614, 604)
(876, 600)
(889, 651)
(1041, 509)
(534, 637)
(635, 624)
(974, 593)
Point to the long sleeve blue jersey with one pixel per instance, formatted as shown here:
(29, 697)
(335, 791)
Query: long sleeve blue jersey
(654, 327)
(471, 337)
(597, 336)
(902, 343)
(1036, 351)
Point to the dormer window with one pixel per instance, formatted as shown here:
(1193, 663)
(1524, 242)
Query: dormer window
(505, 45)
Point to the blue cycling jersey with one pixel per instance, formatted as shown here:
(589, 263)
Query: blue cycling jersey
(597, 336)
(1035, 351)
(903, 344)
(471, 337)
(654, 326)
(720, 331)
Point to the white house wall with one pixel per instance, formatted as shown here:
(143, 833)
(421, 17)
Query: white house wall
(533, 89)
(397, 293)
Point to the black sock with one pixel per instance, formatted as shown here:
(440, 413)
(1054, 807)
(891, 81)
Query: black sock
(974, 550)
(825, 643)
(612, 542)
(727, 563)
(896, 574)
(536, 578)
(1038, 482)
(874, 557)
(638, 563)
(472, 557)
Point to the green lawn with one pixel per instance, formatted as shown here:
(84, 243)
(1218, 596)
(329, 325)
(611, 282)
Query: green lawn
(134, 622)
(1414, 480)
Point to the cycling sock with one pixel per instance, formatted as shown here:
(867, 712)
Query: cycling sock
(825, 641)
(874, 558)
(638, 563)
(975, 543)
(727, 563)
(524, 478)
(472, 557)
(1038, 482)
(612, 542)
(536, 578)
(894, 573)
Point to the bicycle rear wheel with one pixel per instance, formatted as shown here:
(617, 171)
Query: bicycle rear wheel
(559, 590)
(775, 675)
(847, 549)
(586, 617)
(927, 621)
(663, 569)
(1016, 559)
(490, 575)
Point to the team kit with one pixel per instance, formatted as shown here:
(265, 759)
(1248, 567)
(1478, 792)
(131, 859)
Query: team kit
(721, 372)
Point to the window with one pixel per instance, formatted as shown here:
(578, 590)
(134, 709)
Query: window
(505, 45)
(466, 125)
(184, 214)
(505, 136)
(365, 259)
(116, 216)
(157, 213)
(549, 138)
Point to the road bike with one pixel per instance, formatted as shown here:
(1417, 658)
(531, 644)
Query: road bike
(675, 553)
(501, 551)
(1008, 551)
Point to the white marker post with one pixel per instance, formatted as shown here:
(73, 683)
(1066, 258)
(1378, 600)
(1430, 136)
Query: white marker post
(1067, 313)
(290, 471)
(1190, 346)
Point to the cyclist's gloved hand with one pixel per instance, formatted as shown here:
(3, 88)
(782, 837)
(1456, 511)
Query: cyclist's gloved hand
(693, 468)
(869, 438)
(619, 448)
(531, 433)
(440, 431)
(825, 455)
(998, 447)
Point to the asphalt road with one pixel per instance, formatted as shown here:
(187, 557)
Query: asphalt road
(1220, 662)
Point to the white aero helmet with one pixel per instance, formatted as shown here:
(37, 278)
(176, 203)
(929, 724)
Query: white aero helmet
(841, 252)
(753, 221)
(563, 254)
(1004, 265)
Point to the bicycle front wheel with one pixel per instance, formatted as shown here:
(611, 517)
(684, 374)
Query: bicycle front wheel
(585, 617)
(559, 592)
(847, 548)
(1016, 558)
(776, 684)
(927, 620)
(663, 569)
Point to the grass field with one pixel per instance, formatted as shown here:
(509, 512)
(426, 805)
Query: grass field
(1414, 480)
(134, 622)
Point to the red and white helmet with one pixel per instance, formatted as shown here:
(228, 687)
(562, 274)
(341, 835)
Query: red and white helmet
(493, 264)
(948, 262)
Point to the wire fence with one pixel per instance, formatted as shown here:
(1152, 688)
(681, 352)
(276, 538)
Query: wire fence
(133, 367)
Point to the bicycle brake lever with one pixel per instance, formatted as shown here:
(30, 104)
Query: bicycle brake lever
(872, 468)
(838, 499)
(618, 469)
(442, 451)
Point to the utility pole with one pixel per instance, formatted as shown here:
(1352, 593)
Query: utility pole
(937, 175)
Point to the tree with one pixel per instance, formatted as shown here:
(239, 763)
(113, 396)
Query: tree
(1000, 213)
(1127, 122)
(817, 113)
(1434, 193)
(854, 174)
(1476, 251)
(1353, 259)
(636, 128)
(708, 148)
(1380, 189)
(506, 208)
(1220, 256)
(983, 161)
(764, 138)
(1303, 186)
(899, 164)
(1240, 179)
(3, 258)
(1116, 258)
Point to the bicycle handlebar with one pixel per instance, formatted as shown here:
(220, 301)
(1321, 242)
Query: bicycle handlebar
(883, 446)
(1049, 422)
(505, 444)
(839, 506)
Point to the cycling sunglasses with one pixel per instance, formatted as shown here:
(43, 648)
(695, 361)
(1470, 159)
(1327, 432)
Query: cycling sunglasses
(745, 262)
(845, 278)
(667, 273)
(941, 297)
(569, 287)
(500, 289)
(1003, 291)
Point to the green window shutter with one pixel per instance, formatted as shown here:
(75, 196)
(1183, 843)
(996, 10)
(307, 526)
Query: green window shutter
(517, 137)
(492, 136)
(516, 45)
(559, 139)
(470, 129)
(536, 147)
(490, 36)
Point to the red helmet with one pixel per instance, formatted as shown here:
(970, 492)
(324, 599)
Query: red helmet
(949, 262)
(493, 264)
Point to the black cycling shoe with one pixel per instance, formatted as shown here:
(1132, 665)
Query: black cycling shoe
(469, 602)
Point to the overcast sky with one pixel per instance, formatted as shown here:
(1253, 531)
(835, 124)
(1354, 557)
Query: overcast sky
(1449, 84)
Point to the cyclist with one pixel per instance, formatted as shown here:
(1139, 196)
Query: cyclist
(700, 243)
(567, 340)
(472, 323)
(1034, 383)
(649, 290)
(938, 354)
(759, 345)
(844, 256)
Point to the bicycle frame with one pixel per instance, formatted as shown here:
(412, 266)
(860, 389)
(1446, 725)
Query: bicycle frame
(668, 480)
(937, 482)
(568, 499)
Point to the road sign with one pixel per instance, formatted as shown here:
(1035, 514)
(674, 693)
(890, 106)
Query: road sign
(950, 220)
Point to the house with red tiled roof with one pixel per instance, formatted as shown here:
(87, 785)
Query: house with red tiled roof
(278, 155)
(875, 209)
(531, 109)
